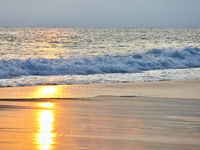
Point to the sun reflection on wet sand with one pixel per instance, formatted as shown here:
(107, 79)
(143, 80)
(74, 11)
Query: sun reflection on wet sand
(46, 91)
(46, 105)
(51, 92)
(45, 137)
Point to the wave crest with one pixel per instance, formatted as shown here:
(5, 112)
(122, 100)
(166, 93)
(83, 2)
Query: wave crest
(129, 63)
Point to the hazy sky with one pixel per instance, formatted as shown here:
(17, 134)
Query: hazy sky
(100, 13)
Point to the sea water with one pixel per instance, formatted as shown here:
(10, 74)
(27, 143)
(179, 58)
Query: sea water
(60, 56)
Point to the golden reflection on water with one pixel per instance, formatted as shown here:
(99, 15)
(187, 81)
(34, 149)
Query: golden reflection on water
(47, 43)
(45, 137)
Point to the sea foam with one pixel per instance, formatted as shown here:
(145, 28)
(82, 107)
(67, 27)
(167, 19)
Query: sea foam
(128, 63)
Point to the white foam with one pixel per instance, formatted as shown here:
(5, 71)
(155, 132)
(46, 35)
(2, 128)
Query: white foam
(152, 75)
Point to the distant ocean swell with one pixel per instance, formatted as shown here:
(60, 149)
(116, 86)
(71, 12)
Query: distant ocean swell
(129, 63)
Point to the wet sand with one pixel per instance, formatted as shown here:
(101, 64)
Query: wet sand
(165, 89)
(148, 115)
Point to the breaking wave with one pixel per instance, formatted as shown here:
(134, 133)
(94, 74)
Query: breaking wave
(128, 63)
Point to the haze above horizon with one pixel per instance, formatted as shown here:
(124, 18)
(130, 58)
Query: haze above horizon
(100, 13)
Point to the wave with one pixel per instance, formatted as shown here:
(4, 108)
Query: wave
(128, 63)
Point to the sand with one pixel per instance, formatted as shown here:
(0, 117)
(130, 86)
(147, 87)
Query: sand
(165, 89)
(142, 115)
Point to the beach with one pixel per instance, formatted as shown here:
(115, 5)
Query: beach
(137, 115)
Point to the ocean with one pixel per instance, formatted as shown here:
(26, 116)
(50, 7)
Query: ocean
(63, 56)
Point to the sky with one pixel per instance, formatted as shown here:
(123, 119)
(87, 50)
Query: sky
(100, 13)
